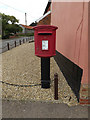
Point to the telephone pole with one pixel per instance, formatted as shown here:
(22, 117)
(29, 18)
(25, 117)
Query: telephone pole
(25, 22)
(25, 18)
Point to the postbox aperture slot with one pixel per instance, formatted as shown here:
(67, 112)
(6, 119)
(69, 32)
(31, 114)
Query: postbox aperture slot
(43, 33)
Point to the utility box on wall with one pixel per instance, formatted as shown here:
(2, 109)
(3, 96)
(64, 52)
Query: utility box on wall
(45, 40)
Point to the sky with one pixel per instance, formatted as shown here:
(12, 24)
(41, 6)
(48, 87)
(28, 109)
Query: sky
(18, 8)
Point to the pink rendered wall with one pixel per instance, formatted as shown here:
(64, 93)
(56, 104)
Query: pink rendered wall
(71, 18)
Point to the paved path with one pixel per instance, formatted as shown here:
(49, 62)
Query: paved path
(20, 109)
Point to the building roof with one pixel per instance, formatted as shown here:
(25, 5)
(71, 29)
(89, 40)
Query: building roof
(49, 12)
(25, 26)
(33, 24)
(48, 5)
(46, 13)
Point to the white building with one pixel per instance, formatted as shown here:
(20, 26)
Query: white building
(26, 29)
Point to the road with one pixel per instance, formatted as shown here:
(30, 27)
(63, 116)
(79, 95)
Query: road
(3, 43)
(27, 109)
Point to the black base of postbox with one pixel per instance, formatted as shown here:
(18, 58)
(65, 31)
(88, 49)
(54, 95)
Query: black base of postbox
(45, 72)
(45, 84)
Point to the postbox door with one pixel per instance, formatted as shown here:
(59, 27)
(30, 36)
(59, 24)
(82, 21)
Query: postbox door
(44, 42)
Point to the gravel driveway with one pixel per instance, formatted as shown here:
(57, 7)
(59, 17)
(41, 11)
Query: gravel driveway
(20, 66)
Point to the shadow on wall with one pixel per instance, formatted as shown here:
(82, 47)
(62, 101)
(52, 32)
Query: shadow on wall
(71, 72)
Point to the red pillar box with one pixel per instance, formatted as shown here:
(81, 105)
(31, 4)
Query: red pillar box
(45, 40)
(45, 47)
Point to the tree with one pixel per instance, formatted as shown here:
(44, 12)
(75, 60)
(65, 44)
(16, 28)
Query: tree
(13, 28)
(9, 25)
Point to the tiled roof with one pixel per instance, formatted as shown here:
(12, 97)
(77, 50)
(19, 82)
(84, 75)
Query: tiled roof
(25, 26)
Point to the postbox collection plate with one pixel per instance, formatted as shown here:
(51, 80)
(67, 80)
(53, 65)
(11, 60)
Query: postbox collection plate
(44, 44)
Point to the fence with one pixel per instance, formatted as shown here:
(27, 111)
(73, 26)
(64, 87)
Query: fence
(11, 44)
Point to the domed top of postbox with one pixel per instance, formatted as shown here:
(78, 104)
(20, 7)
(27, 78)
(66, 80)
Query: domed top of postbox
(45, 27)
